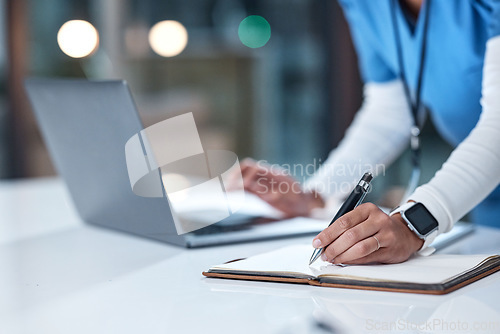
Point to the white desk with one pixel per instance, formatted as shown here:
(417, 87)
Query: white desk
(58, 275)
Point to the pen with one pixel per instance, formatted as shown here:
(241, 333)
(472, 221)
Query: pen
(354, 199)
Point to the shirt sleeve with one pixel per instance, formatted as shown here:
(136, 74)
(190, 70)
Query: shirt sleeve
(366, 41)
(471, 171)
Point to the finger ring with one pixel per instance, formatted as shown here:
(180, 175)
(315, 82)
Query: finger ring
(378, 243)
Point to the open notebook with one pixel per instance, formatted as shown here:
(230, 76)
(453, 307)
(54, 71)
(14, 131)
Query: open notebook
(435, 274)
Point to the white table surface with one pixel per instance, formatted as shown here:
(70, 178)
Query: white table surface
(58, 275)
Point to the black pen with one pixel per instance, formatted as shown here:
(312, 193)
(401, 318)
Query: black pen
(354, 199)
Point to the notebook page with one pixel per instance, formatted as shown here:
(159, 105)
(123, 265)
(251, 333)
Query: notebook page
(418, 269)
(291, 259)
(436, 268)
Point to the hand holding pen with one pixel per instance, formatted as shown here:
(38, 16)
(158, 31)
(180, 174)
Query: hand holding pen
(365, 235)
(354, 199)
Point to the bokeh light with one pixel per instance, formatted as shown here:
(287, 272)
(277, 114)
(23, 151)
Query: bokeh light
(254, 31)
(168, 38)
(78, 38)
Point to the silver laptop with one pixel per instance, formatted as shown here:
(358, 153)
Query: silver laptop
(86, 124)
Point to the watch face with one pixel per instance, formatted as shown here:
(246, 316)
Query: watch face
(421, 219)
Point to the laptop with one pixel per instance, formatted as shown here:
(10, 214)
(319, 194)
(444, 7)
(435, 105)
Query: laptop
(85, 125)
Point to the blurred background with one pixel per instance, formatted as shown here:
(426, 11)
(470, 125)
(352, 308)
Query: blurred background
(285, 95)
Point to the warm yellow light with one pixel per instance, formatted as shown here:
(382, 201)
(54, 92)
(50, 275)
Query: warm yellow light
(168, 38)
(77, 38)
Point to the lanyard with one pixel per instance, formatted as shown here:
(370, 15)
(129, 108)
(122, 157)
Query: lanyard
(413, 105)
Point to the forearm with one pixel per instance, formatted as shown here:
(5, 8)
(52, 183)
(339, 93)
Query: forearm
(472, 170)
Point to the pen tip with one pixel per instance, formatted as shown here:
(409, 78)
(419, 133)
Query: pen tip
(314, 256)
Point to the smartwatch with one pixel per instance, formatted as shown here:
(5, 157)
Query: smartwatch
(419, 220)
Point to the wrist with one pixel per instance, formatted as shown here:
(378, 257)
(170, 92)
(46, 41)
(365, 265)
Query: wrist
(415, 242)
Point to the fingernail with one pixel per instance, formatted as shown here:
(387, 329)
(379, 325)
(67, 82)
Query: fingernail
(323, 257)
(316, 243)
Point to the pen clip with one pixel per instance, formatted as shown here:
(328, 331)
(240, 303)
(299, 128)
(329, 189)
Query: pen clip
(361, 199)
(365, 188)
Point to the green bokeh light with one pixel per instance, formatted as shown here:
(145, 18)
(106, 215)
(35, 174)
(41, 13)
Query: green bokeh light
(254, 31)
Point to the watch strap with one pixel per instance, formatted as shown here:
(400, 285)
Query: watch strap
(402, 207)
(425, 250)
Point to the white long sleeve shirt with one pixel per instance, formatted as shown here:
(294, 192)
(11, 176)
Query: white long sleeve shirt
(381, 130)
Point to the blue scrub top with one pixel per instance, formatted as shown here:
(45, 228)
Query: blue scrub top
(456, 43)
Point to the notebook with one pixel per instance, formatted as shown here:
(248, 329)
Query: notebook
(435, 274)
